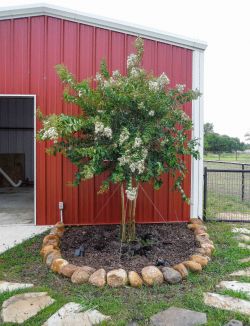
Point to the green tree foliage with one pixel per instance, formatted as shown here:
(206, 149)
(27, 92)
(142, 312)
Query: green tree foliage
(218, 144)
(132, 126)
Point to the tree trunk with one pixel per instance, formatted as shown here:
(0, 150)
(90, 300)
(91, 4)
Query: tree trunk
(128, 227)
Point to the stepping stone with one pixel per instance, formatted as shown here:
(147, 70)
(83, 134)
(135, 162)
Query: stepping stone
(70, 315)
(10, 286)
(245, 260)
(234, 322)
(242, 272)
(21, 307)
(226, 302)
(243, 237)
(241, 230)
(244, 245)
(178, 317)
(235, 286)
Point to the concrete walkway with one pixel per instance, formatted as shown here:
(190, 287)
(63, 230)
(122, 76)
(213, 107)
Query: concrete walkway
(10, 235)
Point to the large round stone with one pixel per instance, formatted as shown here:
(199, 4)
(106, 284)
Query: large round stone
(135, 280)
(171, 275)
(203, 261)
(51, 239)
(117, 277)
(68, 270)
(57, 264)
(98, 278)
(181, 269)
(55, 254)
(192, 266)
(80, 276)
(152, 275)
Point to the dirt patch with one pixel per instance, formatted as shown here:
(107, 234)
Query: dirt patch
(156, 244)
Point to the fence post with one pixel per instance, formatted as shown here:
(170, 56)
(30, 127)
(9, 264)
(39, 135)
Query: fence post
(242, 183)
(205, 195)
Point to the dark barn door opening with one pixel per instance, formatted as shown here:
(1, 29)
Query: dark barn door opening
(16, 160)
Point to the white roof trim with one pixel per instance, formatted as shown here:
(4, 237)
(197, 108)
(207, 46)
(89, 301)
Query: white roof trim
(85, 18)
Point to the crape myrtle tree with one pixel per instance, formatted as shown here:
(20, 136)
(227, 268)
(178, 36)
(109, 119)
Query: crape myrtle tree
(130, 125)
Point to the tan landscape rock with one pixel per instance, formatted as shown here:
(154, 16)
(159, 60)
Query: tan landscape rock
(134, 279)
(196, 226)
(57, 264)
(51, 239)
(181, 269)
(68, 270)
(98, 278)
(51, 257)
(21, 307)
(151, 275)
(80, 276)
(208, 246)
(196, 221)
(192, 266)
(117, 277)
(88, 269)
(47, 249)
(200, 231)
(203, 261)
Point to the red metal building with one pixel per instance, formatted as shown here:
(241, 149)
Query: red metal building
(32, 41)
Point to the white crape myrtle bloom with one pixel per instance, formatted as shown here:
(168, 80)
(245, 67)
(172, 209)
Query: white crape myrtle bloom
(50, 133)
(180, 87)
(80, 93)
(123, 160)
(107, 132)
(151, 113)
(144, 153)
(99, 127)
(124, 136)
(99, 78)
(116, 74)
(141, 106)
(153, 85)
(135, 72)
(163, 80)
(131, 193)
(138, 142)
(101, 130)
(132, 60)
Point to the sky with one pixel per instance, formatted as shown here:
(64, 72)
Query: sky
(223, 24)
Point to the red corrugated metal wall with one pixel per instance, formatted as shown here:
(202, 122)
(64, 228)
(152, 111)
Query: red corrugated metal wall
(30, 49)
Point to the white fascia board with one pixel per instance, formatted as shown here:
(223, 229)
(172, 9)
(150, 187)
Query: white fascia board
(89, 19)
(198, 121)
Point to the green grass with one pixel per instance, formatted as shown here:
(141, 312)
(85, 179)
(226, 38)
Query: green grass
(23, 264)
(229, 157)
(219, 203)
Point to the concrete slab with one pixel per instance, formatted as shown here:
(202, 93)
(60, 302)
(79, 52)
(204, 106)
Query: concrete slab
(17, 205)
(235, 286)
(241, 230)
(10, 286)
(11, 235)
(242, 272)
(226, 302)
(245, 260)
(178, 317)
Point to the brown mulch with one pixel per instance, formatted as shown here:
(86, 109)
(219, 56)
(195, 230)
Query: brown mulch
(156, 244)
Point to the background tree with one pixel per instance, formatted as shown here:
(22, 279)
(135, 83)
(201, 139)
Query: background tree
(218, 144)
(131, 126)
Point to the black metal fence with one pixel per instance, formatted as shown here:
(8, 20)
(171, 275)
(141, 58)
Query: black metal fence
(226, 191)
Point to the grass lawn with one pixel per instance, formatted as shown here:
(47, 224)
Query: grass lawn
(24, 264)
(229, 157)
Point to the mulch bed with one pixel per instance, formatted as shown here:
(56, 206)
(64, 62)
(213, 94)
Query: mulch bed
(156, 244)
